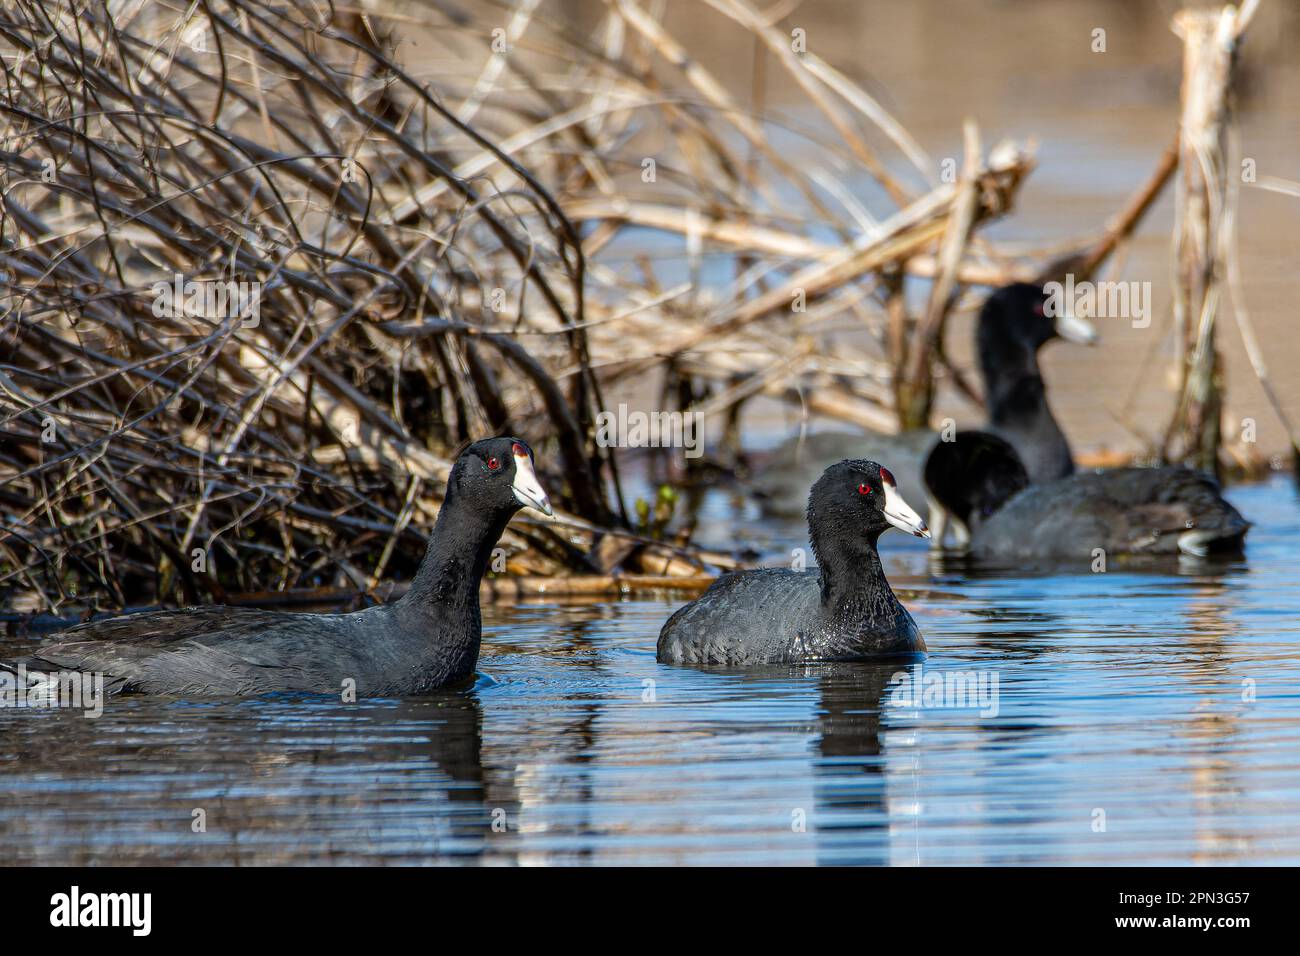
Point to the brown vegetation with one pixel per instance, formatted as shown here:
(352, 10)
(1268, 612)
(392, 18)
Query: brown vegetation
(434, 263)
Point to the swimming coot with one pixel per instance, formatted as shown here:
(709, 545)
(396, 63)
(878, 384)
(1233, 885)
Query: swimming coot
(426, 639)
(843, 610)
(1011, 328)
(978, 478)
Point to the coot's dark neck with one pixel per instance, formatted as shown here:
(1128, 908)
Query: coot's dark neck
(1016, 400)
(853, 579)
(459, 550)
(1009, 369)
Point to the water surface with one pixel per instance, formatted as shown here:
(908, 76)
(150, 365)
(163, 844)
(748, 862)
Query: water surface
(1162, 706)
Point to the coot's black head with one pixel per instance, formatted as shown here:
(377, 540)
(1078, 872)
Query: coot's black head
(1026, 315)
(974, 474)
(859, 499)
(496, 475)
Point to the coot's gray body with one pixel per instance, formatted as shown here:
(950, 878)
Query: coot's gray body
(778, 616)
(844, 610)
(388, 650)
(1124, 512)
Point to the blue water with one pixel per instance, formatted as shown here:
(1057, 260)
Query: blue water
(1138, 718)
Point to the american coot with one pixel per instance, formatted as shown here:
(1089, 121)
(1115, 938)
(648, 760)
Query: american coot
(1011, 328)
(424, 640)
(844, 610)
(978, 478)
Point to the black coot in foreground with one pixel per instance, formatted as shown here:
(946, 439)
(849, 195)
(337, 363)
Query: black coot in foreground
(1011, 328)
(1125, 512)
(426, 639)
(843, 610)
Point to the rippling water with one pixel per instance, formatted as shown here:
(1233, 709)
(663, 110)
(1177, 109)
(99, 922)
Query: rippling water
(1140, 718)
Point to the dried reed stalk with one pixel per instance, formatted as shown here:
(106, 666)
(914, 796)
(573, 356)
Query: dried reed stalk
(1204, 230)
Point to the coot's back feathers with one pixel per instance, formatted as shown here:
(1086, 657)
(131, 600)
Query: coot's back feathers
(222, 651)
(1122, 511)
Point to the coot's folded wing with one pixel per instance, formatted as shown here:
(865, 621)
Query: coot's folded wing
(161, 628)
(197, 651)
(750, 617)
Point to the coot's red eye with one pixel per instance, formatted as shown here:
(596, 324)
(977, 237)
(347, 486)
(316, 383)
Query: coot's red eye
(494, 462)
(864, 489)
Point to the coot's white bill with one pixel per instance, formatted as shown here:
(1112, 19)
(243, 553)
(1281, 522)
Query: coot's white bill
(526, 486)
(899, 513)
(1074, 329)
